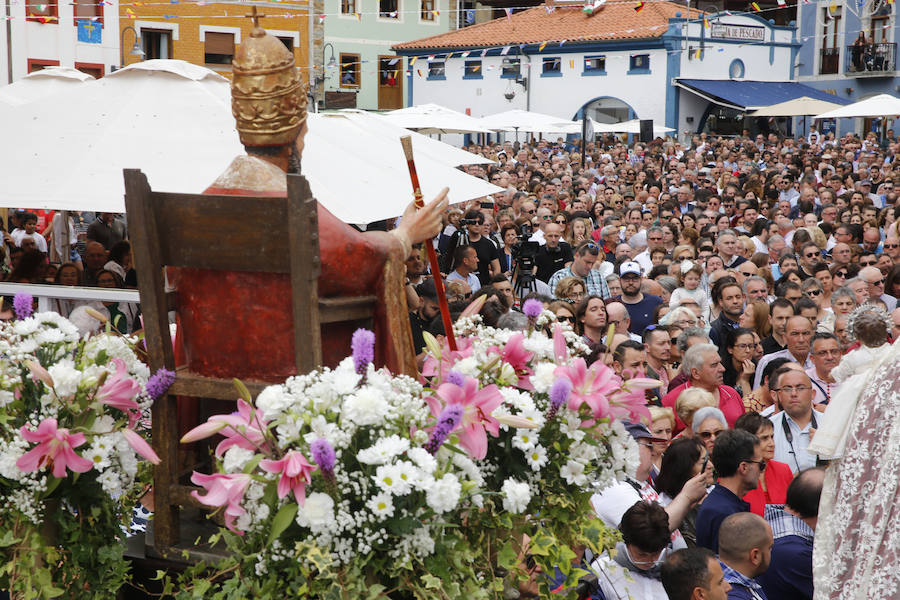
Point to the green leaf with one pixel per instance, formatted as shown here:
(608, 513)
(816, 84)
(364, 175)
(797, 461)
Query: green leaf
(507, 557)
(281, 521)
(8, 539)
(252, 463)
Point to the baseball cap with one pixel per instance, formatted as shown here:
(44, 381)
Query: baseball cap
(639, 431)
(630, 268)
(826, 157)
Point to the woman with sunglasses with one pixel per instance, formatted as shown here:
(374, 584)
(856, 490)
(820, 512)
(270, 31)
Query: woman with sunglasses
(564, 312)
(562, 219)
(708, 424)
(812, 288)
(777, 476)
(739, 368)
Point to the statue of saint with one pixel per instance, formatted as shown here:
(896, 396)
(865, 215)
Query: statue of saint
(239, 324)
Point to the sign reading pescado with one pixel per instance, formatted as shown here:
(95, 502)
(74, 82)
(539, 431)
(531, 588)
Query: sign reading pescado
(737, 32)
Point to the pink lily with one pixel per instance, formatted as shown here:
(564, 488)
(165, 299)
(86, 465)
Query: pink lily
(559, 344)
(203, 431)
(630, 404)
(295, 471)
(140, 445)
(245, 429)
(590, 386)
(517, 356)
(119, 390)
(432, 366)
(223, 490)
(479, 404)
(53, 446)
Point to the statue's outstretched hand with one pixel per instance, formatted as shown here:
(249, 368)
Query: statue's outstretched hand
(425, 223)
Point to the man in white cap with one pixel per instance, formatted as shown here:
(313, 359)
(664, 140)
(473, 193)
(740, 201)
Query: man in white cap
(640, 306)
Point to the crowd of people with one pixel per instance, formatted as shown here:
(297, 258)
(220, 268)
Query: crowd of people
(738, 272)
(95, 253)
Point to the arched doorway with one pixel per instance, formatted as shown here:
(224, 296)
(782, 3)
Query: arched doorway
(607, 109)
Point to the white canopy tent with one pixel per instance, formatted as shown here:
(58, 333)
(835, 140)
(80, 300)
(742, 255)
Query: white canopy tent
(525, 121)
(433, 118)
(882, 105)
(41, 84)
(173, 120)
(634, 126)
(798, 107)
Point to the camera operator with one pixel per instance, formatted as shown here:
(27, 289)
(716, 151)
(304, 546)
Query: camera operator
(554, 255)
(470, 233)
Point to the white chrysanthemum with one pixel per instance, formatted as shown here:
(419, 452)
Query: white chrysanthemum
(573, 473)
(110, 482)
(517, 398)
(366, 407)
(516, 496)
(236, 458)
(468, 366)
(50, 335)
(383, 451)
(317, 513)
(98, 458)
(26, 327)
(6, 397)
(381, 505)
(525, 439)
(410, 473)
(389, 478)
(65, 378)
(422, 542)
(345, 377)
(543, 377)
(581, 452)
(536, 457)
(443, 495)
(423, 459)
(272, 402)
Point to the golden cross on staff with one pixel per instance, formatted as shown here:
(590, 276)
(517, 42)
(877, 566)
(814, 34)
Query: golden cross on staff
(255, 16)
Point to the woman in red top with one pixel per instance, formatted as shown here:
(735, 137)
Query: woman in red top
(777, 476)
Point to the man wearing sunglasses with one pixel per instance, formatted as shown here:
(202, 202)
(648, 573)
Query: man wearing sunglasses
(875, 285)
(738, 458)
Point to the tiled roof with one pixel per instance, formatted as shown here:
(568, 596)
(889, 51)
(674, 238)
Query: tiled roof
(614, 21)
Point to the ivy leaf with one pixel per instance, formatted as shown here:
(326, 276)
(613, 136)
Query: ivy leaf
(507, 557)
(281, 521)
(8, 539)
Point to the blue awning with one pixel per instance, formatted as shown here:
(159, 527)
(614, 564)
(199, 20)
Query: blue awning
(749, 95)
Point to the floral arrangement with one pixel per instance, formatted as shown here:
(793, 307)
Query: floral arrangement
(354, 482)
(71, 430)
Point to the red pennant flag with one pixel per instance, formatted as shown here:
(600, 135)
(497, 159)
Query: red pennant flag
(639, 7)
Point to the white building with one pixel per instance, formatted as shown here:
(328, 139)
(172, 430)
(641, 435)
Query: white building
(82, 34)
(629, 59)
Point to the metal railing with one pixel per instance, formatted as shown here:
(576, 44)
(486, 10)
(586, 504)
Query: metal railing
(830, 61)
(871, 58)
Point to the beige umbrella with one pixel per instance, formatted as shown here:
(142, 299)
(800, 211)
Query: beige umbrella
(798, 107)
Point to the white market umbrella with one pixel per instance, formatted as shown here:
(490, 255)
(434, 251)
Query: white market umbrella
(882, 105)
(172, 120)
(575, 126)
(43, 83)
(634, 126)
(433, 118)
(798, 107)
(525, 121)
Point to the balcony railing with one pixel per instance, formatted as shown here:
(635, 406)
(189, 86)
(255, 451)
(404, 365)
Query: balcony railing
(830, 61)
(871, 59)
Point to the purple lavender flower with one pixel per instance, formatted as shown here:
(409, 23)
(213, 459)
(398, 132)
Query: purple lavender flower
(323, 455)
(23, 304)
(456, 378)
(363, 345)
(559, 396)
(449, 420)
(159, 383)
(533, 308)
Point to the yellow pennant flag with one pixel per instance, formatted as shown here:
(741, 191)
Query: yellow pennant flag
(413, 60)
(542, 46)
(755, 6)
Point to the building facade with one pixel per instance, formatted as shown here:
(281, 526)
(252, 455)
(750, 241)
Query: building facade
(82, 34)
(627, 60)
(850, 50)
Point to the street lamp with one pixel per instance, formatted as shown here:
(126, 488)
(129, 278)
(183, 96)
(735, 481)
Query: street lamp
(136, 50)
(332, 63)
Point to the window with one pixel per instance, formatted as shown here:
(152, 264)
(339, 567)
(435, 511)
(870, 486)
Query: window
(511, 69)
(472, 70)
(348, 7)
(218, 48)
(831, 21)
(157, 43)
(42, 11)
(388, 9)
(551, 67)
(288, 43)
(36, 64)
(466, 14)
(349, 70)
(427, 11)
(595, 65)
(639, 63)
(436, 70)
(93, 69)
(389, 72)
(87, 10)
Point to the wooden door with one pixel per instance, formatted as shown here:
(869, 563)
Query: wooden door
(390, 82)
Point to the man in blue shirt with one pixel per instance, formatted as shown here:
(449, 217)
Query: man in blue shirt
(738, 460)
(640, 305)
(790, 575)
(745, 549)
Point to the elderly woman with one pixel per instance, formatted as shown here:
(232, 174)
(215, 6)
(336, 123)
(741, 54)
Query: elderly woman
(688, 403)
(680, 316)
(708, 424)
(843, 301)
